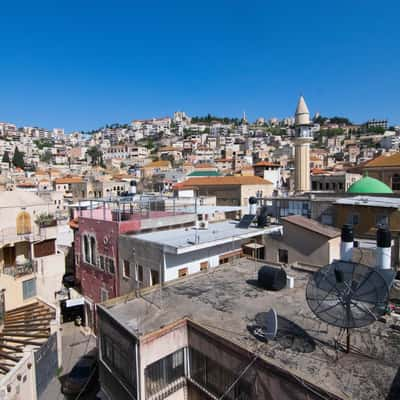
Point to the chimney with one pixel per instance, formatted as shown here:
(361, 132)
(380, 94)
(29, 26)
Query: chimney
(346, 247)
(252, 205)
(383, 248)
(132, 189)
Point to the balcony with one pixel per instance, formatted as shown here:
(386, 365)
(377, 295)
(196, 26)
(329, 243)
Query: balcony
(20, 269)
(10, 235)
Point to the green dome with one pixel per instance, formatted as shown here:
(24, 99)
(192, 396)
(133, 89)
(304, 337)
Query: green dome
(369, 185)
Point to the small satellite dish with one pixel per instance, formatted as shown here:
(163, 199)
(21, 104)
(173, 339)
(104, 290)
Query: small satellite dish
(347, 295)
(267, 324)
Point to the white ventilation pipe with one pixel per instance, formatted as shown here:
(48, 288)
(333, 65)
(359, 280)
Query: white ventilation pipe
(252, 205)
(346, 246)
(132, 188)
(383, 248)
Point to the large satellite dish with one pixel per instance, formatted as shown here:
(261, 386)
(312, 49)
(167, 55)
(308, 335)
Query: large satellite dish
(347, 295)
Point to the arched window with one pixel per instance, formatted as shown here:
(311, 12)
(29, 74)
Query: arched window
(24, 223)
(396, 182)
(93, 249)
(86, 249)
(89, 249)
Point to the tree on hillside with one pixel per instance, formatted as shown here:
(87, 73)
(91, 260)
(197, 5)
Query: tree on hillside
(46, 156)
(6, 158)
(96, 156)
(18, 159)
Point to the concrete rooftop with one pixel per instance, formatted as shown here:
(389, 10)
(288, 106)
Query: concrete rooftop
(183, 240)
(226, 300)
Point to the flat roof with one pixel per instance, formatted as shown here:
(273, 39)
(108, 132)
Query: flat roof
(184, 240)
(225, 301)
(370, 201)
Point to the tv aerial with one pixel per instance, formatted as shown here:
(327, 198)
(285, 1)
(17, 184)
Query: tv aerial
(347, 295)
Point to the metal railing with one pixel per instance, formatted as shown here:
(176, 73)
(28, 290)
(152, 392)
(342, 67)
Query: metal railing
(15, 271)
(10, 235)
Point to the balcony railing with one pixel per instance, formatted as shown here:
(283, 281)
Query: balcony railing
(10, 235)
(16, 271)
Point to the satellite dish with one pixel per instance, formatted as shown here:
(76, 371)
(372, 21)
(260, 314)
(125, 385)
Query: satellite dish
(347, 295)
(267, 325)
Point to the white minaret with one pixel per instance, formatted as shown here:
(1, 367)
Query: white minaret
(302, 147)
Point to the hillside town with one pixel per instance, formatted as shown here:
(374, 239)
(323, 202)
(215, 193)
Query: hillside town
(148, 253)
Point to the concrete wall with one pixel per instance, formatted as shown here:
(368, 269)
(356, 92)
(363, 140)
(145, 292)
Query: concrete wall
(164, 343)
(23, 388)
(14, 294)
(146, 254)
(150, 256)
(302, 246)
(366, 226)
(50, 270)
(192, 260)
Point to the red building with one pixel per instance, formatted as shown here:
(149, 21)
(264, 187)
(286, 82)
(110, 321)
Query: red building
(97, 226)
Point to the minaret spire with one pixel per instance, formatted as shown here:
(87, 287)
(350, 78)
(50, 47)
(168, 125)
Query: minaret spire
(302, 147)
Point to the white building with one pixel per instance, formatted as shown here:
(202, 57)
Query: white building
(171, 254)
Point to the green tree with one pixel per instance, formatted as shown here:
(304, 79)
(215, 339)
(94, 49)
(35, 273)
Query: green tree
(96, 155)
(18, 159)
(6, 158)
(46, 156)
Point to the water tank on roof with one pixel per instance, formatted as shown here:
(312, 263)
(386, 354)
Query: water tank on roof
(271, 278)
(263, 219)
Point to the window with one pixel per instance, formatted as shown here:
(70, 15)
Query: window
(215, 378)
(29, 288)
(182, 272)
(86, 251)
(127, 269)
(101, 263)
(139, 273)
(353, 219)
(93, 250)
(204, 266)
(382, 220)
(110, 265)
(283, 256)
(23, 223)
(118, 356)
(396, 182)
(163, 372)
(89, 249)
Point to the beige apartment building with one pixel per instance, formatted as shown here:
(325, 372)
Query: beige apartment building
(303, 241)
(30, 264)
(228, 190)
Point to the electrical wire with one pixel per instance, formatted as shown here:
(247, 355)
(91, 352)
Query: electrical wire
(239, 377)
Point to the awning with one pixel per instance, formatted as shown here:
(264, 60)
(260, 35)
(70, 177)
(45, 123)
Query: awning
(254, 246)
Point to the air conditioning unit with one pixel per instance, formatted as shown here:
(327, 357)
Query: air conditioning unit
(202, 224)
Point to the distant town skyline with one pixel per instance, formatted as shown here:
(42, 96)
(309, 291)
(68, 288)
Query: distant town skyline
(81, 66)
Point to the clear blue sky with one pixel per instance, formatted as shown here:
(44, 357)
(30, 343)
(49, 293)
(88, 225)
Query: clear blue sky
(81, 64)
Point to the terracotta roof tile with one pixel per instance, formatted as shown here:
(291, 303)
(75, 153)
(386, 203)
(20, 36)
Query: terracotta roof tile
(72, 179)
(266, 164)
(385, 161)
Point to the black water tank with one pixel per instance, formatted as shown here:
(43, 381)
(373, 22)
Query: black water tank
(271, 278)
(383, 237)
(262, 219)
(253, 200)
(347, 233)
